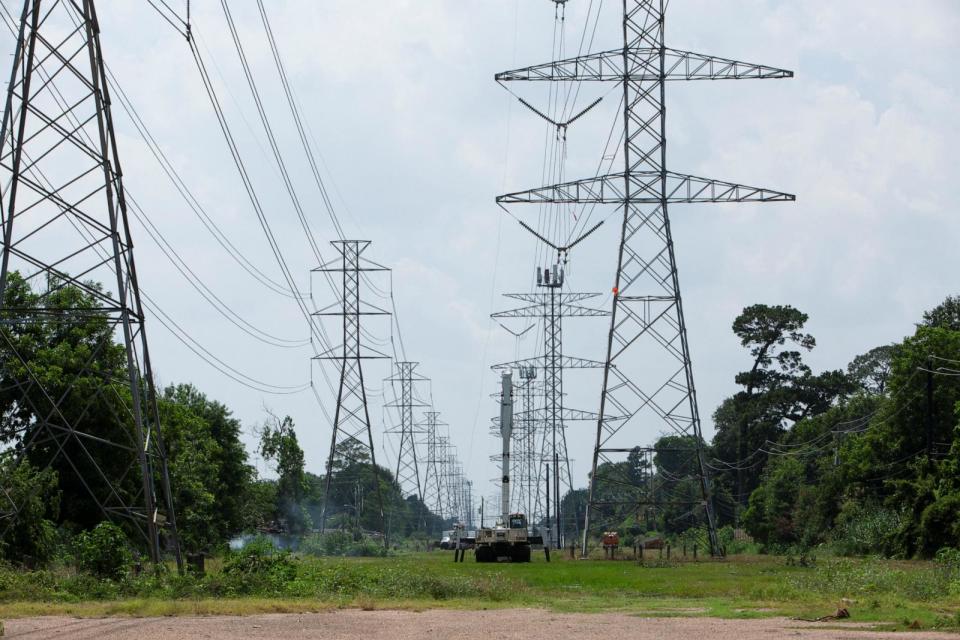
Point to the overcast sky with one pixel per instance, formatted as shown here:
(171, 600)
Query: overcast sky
(417, 140)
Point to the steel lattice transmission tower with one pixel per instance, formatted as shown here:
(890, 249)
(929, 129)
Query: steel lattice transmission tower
(551, 307)
(352, 439)
(408, 467)
(68, 270)
(648, 379)
(433, 489)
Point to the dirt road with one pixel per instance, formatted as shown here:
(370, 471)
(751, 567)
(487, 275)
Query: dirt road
(458, 625)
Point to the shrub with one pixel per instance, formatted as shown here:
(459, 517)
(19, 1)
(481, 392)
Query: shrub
(103, 552)
(866, 529)
(258, 567)
(948, 564)
(940, 524)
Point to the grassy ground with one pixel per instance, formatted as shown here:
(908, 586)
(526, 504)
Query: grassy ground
(897, 593)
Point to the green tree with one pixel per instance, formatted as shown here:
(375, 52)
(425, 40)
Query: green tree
(191, 453)
(770, 518)
(259, 507)
(234, 473)
(779, 390)
(872, 369)
(33, 496)
(68, 373)
(945, 315)
(278, 444)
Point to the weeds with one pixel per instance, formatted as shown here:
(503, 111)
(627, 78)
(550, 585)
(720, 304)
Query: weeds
(876, 589)
(853, 578)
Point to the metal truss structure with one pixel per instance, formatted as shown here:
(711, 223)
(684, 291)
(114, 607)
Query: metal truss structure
(433, 487)
(352, 439)
(68, 270)
(408, 468)
(551, 307)
(525, 473)
(453, 479)
(446, 491)
(648, 379)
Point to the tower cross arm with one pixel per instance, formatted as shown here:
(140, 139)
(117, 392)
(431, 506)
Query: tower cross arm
(563, 309)
(541, 298)
(643, 64)
(566, 362)
(645, 187)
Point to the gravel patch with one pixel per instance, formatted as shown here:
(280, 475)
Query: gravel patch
(505, 624)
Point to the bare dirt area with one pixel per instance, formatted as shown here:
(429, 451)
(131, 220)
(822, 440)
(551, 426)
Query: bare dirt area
(410, 625)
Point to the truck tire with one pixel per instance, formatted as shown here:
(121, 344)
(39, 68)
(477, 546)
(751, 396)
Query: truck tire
(521, 554)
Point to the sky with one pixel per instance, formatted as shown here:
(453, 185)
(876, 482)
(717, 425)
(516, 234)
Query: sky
(417, 140)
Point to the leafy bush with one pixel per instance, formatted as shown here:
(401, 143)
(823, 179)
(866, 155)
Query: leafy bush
(940, 524)
(733, 545)
(258, 568)
(103, 552)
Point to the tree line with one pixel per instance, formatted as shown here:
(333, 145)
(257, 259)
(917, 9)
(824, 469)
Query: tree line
(216, 491)
(864, 458)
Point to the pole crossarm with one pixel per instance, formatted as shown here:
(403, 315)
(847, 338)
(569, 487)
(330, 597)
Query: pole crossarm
(537, 311)
(540, 298)
(568, 414)
(566, 362)
(640, 64)
(650, 187)
(364, 353)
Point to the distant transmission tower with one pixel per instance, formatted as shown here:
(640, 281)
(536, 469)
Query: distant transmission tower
(648, 379)
(352, 438)
(408, 467)
(65, 231)
(433, 487)
(552, 306)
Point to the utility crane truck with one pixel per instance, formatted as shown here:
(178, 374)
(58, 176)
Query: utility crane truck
(509, 540)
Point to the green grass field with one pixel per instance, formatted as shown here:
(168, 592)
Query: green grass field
(889, 592)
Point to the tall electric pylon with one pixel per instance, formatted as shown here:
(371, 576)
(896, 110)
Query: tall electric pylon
(433, 488)
(352, 439)
(551, 307)
(68, 275)
(648, 379)
(408, 463)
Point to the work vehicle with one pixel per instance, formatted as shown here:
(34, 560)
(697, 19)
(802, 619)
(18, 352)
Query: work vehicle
(509, 540)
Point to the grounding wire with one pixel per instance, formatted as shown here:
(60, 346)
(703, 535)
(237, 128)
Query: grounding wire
(275, 147)
(201, 287)
(316, 329)
(268, 129)
(183, 336)
(188, 196)
(196, 347)
(172, 254)
(298, 121)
